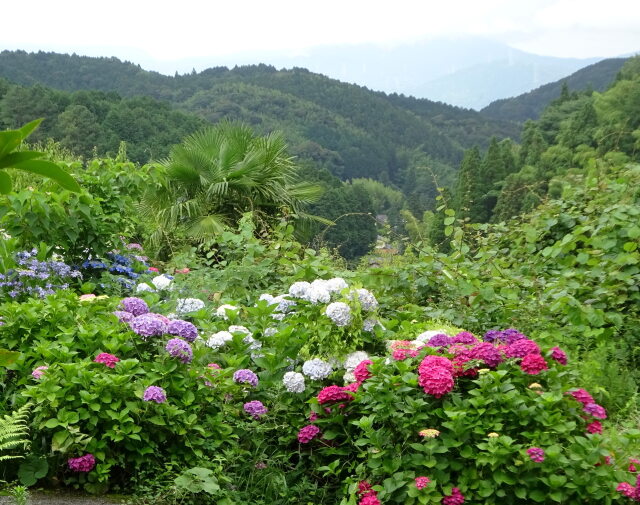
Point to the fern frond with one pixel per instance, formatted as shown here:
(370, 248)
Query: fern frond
(14, 432)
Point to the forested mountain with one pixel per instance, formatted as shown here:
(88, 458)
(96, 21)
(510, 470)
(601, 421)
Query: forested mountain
(598, 77)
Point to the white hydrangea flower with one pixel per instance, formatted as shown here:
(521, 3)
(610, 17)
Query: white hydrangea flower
(284, 304)
(222, 310)
(186, 305)
(239, 329)
(278, 316)
(299, 289)
(367, 301)
(336, 284)
(252, 343)
(269, 298)
(427, 335)
(348, 377)
(316, 369)
(219, 339)
(271, 331)
(354, 359)
(294, 382)
(318, 294)
(369, 324)
(144, 287)
(161, 282)
(339, 313)
(319, 283)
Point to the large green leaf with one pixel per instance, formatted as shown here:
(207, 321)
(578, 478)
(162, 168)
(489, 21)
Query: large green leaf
(8, 357)
(5, 183)
(50, 170)
(10, 159)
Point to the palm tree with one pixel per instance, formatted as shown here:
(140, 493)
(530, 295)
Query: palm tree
(217, 175)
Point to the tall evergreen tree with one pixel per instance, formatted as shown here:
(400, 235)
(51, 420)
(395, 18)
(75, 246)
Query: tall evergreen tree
(467, 191)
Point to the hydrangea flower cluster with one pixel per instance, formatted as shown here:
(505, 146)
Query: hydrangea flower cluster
(148, 325)
(536, 454)
(183, 329)
(219, 339)
(180, 349)
(255, 409)
(339, 313)
(308, 433)
(294, 382)
(245, 376)
(435, 375)
(455, 498)
(187, 305)
(38, 372)
(368, 302)
(508, 336)
(84, 463)
(362, 372)
(162, 281)
(559, 355)
(422, 482)
(222, 310)
(107, 359)
(134, 305)
(332, 394)
(533, 364)
(154, 394)
(316, 369)
(367, 495)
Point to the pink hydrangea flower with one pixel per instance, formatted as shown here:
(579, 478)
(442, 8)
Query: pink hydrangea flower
(334, 394)
(109, 360)
(520, 348)
(436, 381)
(362, 372)
(632, 465)
(559, 355)
(582, 396)
(153, 269)
(38, 372)
(308, 433)
(422, 482)
(183, 271)
(429, 362)
(536, 454)
(84, 463)
(594, 427)
(455, 498)
(533, 364)
(626, 489)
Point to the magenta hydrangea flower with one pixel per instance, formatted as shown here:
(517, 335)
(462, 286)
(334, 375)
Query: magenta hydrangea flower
(432, 361)
(464, 337)
(559, 355)
(180, 349)
(154, 394)
(439, 340)
(536, 454)
(84, 463)
(107, 359)
(308, 433)
(435, 375)
(520, 348)
(362, 372)
(595, 410)
(134, 305)
(38, 372)
(334, 394)
(455, 498)
(582, 396)
(422, 482)
(255, 409)
(183, 329)
(148, 325)
(626, 489)
(488, 353)
(533, 364)
(245, 376)
(594, 427)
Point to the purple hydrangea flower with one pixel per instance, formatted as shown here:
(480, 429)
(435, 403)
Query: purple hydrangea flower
(154, 394)
(595, 410)
(82, 464)
(464, 337)
(488, 353)
(255, 409)
(123, 316)
(440, 340)
(521, 347)
(245, 376)
(148, 325)
(183, 329)
(180, 349)
(137, 306)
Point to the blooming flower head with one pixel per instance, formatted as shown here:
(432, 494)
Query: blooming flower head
(245, 376)
(595, 410)
(488, 353)
(632, 465)
(582, 396)
(108, 359)
(362, 372)
(123, 316)
(594, 427)
(148, 325)
(339, 313)
(464, 337)
(334, 394)
(186, 305)
(455, 498)
(308, 433)
(153, 269)
(354, 359)
(299, 289)
(430, 361)
(422, 482)
(367, 301)
(219, 339)
(316, 369)
(161, 281)
(429, 433)
(439, 340)
(143, 287)
(134, 246)
(38, 372)
(134, 305)
(559, 355)
(533, 364)
(154, 394)
(180, 349)
(336, 284)
(183, 329)
(183, 270)
(626, 489)
(222, 310)
(535, 385)
(84, 463)
(436, 381)
(255, 409)
(520, 348)
(536, 454)
(293, 382)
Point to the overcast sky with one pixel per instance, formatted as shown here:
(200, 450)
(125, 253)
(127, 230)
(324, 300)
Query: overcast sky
(142, 31)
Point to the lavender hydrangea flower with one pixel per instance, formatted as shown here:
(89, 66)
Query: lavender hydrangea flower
(123, 317)
(183, 329)
(255, 409)
(180, 349)
(245, 376)
(154, 394)
(134, 305)
(148, 325)
(367, 301)
(339, 313)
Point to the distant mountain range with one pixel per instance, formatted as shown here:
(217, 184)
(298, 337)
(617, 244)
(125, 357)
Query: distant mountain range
(467, 72)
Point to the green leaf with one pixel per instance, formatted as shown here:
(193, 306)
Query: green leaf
(27, 129)
(50, 170)
(157, 420)
(5, 182)
(8, 357)
(32, 469)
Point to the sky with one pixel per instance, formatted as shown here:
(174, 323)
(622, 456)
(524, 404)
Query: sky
(164, 32)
